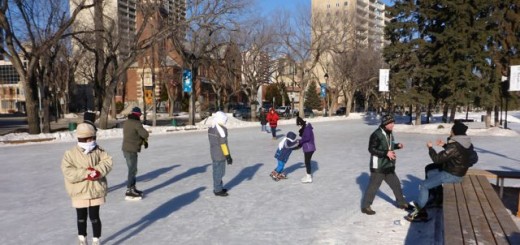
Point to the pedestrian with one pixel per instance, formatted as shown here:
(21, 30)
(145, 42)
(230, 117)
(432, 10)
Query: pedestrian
(134, 136)
(272, 118)
(455, 162)
(263, 120)
(219, 150)
(284, 150)
(382, 148)
(85, 168)
(306, 133)
(90, 118)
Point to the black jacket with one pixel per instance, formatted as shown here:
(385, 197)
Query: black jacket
(454, 157)
(379, 144)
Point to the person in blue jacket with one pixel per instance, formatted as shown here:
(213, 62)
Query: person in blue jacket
(284, 150)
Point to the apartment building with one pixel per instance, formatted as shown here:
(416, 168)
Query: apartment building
(12, 96)
(123, 17)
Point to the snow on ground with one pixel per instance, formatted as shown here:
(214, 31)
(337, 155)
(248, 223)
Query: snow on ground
(180, 208)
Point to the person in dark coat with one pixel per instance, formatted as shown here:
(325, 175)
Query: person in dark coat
(454, 162)
(134, 136)
(307, 144)
(263, 120)
(382, 165)
(284, 150)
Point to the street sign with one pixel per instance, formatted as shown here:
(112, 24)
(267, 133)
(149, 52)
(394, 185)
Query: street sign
(514, 78)
(186, 81)
(384, 75)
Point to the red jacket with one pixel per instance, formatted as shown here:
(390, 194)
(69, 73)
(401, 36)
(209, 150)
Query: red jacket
(272, 118)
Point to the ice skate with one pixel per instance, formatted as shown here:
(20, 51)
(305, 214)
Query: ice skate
(418, 215)
(274, 175)
(95, 241)
(307, 178)
(82, 240)
(133, 195)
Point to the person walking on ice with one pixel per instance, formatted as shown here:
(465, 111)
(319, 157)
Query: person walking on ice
(307, 143)
(134, 136)
(219, 150)
(284, 150)
(382, 165)
(84, 169)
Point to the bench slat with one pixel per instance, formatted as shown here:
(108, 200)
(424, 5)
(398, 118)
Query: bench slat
(452, 236)
(478, 219)
(478, 183)
(464, 218)
(507, 224)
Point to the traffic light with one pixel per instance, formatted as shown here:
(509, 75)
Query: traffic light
(186, 81)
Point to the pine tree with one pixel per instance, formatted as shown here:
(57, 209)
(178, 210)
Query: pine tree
(312, 98)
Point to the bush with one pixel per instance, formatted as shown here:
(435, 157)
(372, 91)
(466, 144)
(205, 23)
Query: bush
(440, 126)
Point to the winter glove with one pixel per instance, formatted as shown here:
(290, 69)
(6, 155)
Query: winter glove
(229, 160)
(93, 174)
(145, 143)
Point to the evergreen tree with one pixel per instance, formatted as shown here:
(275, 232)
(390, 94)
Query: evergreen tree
(272, 91)
(312, 97)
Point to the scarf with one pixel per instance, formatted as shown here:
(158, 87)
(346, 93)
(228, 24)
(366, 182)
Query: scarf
(87, 146)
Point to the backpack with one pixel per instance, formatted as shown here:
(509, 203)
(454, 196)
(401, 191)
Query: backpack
(473, 156)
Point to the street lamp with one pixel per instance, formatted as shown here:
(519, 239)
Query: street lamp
(326, 76)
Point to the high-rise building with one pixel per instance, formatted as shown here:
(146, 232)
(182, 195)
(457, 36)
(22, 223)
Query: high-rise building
(12, 98)
(122, 18)
(367, 18)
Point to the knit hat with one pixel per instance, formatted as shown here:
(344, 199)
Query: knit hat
(300, 121)
(459, 128)
(85, 130)
(136, 111)
(387, 119)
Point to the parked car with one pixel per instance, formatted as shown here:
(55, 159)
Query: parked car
(307, 112)
(243, 112)
(341, 111)
(282, 109)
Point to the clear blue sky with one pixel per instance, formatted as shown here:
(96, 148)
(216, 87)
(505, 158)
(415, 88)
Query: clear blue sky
(270, 5)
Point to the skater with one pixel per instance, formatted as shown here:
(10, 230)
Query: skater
(220, 154)
(284, 150)
(272, 118)
(454, 160)
(263, 120)
(382, 165)
(307, 143)
(84, 168)
(134, 136)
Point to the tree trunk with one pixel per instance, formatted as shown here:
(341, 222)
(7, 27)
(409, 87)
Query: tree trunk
(488, 116)
(107, 101)
(445, 110)
(32, 104)
(452, 112)
(348, 103)
(417, 114)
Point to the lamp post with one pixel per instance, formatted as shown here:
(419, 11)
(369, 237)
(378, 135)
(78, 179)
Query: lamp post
(326, 76)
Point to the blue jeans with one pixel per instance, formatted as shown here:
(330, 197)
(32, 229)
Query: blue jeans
(273, 131)
(435, 178)
(281, 165)
(219, 169)
(264, 128)
(131, 162)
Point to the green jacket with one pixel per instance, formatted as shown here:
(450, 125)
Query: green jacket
(133, 134)
(380, 143)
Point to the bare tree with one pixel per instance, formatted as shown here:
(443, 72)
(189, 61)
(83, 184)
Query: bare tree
(31, 28)
(206, 20)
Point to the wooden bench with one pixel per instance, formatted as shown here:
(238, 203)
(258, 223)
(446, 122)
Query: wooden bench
(474, 214)
(499, 176)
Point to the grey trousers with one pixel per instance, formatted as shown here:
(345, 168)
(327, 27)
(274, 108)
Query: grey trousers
(131, 162)
(375, 182)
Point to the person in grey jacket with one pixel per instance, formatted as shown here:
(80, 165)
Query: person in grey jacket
(219, 150)
(382, 165)
(134, 136)
(84, 169)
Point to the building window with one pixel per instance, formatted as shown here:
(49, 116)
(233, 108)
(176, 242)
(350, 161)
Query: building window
(345, 3)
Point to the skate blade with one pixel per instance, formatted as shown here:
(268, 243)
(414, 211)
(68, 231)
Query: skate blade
(133, 198)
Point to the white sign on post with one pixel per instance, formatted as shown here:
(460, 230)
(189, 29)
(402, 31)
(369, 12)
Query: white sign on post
(384, 75)
(514, 78)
